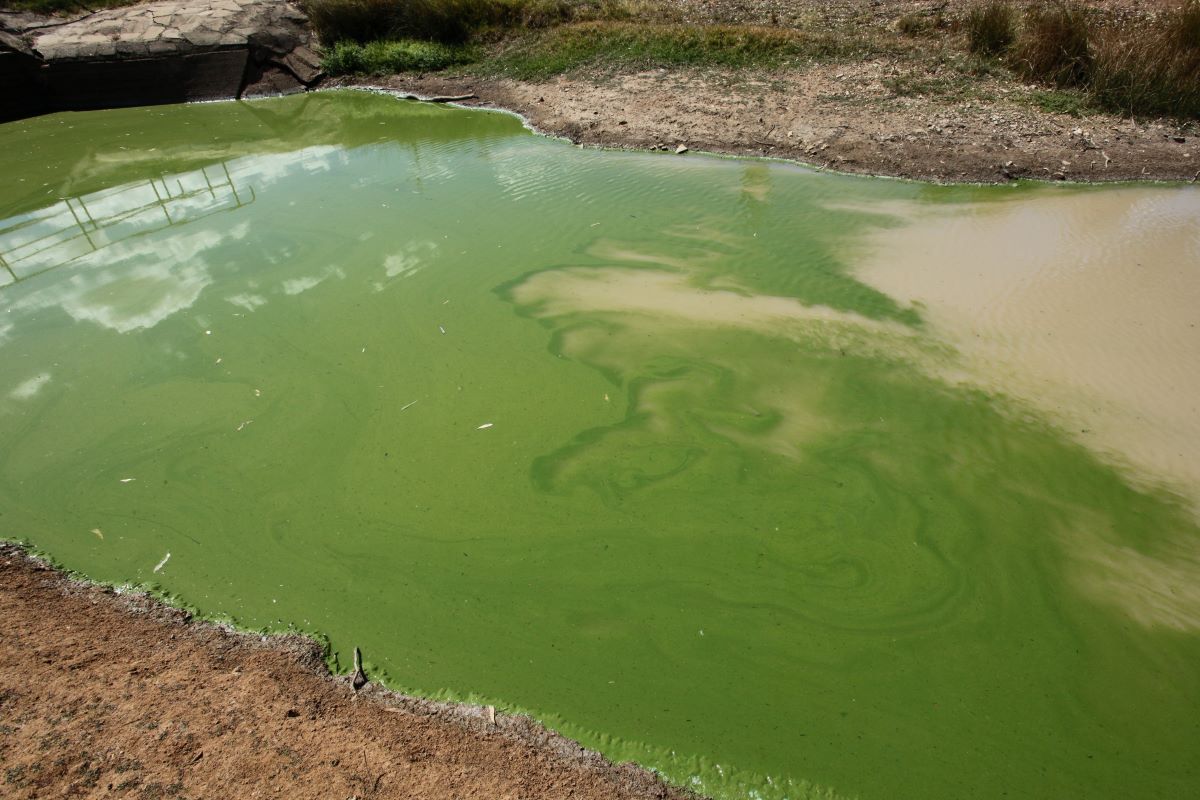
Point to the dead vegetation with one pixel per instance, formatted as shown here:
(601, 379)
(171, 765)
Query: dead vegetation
(1142, 61)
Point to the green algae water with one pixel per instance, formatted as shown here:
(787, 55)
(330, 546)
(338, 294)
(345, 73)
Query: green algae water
(647, 446)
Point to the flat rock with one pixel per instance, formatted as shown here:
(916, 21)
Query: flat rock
(304, 64)
(160, 52)
(10, 42)
(201, 37)
(189, 25)
(272, 83)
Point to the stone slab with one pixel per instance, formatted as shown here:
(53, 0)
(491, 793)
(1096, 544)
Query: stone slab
(272, 83)
(162, 52)
(304, 64)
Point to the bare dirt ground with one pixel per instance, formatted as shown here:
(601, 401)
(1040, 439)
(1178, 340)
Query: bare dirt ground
(915, 114)
(106, 695)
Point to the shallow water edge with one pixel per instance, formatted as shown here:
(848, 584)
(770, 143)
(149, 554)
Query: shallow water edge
(304, 658)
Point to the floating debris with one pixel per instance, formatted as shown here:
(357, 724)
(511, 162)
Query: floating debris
(443, 330)
(410, 405)
(163, 563)
(99, 534)
(128, 480)
(358, 678)
(257, 393)
(244, 424)
(483, 426)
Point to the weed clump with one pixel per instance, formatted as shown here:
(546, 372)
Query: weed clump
(1055, 46)
(434, 20)
(991, 27)
(1147, 67)
(637, 45)
(1155, 70)
(914, 24)
(385, 57)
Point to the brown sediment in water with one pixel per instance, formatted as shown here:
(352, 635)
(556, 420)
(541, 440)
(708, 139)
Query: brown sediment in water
(118, 695)
(662, 295)
(1082, 306)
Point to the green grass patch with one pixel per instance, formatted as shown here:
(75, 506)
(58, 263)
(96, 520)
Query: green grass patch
(917, 85)
(646, 45)
(385, 57)
(1064, 101)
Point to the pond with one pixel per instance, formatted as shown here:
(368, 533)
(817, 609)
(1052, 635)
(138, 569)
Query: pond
(786, 484)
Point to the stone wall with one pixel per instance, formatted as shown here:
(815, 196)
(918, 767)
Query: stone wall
(162, 52)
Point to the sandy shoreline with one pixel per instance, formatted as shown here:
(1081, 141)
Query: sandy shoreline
(120, 695)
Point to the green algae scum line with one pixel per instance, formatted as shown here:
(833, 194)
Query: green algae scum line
(785, 484)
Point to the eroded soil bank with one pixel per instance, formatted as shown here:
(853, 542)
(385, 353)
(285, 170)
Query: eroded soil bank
(840, 116)
(104, 694)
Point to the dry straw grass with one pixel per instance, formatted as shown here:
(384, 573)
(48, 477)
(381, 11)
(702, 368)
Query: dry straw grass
(991, 27)
(1140, 67)
(1055, 45)
(433, 20)
(1155, 70)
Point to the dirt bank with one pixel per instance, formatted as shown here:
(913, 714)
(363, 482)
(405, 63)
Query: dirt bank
(115, 695)
(920, 107)
(841, 117)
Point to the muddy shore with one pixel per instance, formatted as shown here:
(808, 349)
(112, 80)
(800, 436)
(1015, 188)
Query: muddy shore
(105, 694)
(837, 117)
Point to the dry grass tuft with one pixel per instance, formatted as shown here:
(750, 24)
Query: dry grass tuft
(1055, 45)
(1154, 69)
(991, 27)
(433, 20)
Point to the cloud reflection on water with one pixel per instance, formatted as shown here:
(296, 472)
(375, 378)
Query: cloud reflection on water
(129, 269)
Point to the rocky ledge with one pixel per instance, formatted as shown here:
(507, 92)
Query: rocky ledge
(163, 52)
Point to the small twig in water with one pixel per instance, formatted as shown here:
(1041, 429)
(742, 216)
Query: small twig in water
(359, 678)
(442, 98)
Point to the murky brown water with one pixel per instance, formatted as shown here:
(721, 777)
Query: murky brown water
(1085, 305)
